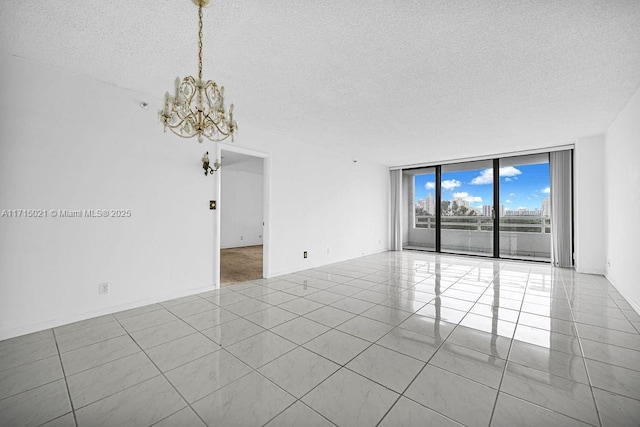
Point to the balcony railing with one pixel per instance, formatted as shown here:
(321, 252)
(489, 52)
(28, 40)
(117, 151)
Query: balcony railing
(520, 236)
(519, 224)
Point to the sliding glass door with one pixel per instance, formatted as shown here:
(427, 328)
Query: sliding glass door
(421, 212)
(496, 207)
(466, 208)
(525, 207)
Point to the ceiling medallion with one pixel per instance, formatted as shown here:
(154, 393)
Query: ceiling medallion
(197, 107)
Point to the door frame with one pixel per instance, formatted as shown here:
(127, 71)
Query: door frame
(266, 208)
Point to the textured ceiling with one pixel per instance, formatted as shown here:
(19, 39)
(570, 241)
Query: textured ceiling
(394, 81)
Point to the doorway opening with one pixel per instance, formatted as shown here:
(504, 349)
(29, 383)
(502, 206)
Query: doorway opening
(241, 217)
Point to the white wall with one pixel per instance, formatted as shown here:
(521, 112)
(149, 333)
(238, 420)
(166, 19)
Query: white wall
(622, 201)
(588, 187)
(67, 142)
(71, 143)
(241, 215)
(321, 202)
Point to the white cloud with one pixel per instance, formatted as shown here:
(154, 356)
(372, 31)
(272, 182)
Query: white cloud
(465, 196)
(486, 176)
(512, 194)
(507, 179)
(450, 184)
(430, 185)
(510, 171)
(508, 201)
(546, 190)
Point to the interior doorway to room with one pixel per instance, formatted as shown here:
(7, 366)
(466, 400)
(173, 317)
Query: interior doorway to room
(241, 218)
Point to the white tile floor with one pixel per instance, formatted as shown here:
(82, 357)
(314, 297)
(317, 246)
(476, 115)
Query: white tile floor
(394, 339)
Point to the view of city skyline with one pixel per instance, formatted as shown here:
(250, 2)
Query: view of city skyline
(522, 187)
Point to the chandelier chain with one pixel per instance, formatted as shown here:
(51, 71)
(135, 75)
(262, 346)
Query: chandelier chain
(200, 41)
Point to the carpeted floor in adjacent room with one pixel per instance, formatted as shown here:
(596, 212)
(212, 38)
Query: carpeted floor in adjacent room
(240, 264)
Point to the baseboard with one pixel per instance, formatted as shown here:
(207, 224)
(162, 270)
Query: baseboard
(630, 300)
(242, 245)
(595, 271)
(295, 270)
(40, 326)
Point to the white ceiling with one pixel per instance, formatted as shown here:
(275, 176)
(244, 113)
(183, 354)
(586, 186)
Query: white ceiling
(394, 81)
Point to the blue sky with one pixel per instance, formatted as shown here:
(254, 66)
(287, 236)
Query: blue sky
(522, 186)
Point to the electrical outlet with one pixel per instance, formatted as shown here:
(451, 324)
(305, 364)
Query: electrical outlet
(304, 254)
(241, 237)
(103, 288)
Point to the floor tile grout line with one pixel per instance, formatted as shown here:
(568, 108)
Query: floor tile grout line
(103, 363)
(402, 394)
(584, 361)
(252, 370)
(29, 362)
(82, 327)
(58, 418)
(66, 383)
(544, 408)
(533, 403)
(506, 365)
(256, 370)
(19, 337)
(420, 371)
(165, 378)
(32, 388)
(114, 393)
(296, 399)
(341, 366)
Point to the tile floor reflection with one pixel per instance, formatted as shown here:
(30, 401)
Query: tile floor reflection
(398, 338)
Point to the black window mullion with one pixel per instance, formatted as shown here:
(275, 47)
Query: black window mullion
(438, 206)
(496, 208)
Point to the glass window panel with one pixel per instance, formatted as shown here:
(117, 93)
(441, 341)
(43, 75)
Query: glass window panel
(525, 208)
(467, 207)
(421, 212)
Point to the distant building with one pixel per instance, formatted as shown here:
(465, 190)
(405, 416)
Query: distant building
(546, 207)
(461, 202)
(487, 210)
(430, 202)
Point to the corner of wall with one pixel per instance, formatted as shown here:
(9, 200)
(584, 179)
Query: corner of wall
(622, 233)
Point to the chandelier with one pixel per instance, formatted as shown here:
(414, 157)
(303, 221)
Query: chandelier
(197, 107)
